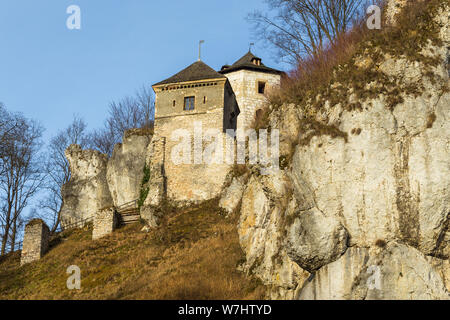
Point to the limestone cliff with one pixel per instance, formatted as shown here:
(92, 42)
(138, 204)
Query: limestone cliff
(98, 181)
(361, 209)
(125, 167)
(87, 191)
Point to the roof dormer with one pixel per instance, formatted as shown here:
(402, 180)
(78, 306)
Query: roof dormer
(256, 61)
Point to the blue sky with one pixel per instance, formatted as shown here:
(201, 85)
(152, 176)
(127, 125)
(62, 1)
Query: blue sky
(49, 72)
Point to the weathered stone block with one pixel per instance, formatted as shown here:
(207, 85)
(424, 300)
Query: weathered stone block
(35, 241)
(105, 221)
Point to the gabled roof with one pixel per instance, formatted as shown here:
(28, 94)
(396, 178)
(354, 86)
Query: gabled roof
(196, 71)
(247, 62)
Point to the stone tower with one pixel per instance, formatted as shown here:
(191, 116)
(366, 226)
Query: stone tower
(228, 99)
(250, 80)
(196, 98)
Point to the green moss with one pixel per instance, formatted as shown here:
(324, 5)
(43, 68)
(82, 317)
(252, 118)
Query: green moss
(144, 188)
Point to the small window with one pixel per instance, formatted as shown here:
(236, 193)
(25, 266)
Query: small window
(204, 100)
(261, 87)
(173, 103)
(189, 103)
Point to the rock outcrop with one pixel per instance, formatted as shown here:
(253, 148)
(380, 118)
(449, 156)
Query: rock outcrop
(394, 272)
(232, 195)
(125, 167)
(373, 199)
(99, 182)
(155, 188)
(261, 234)
(87, 191)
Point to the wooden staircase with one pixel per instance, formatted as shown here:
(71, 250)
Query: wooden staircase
(128, 213)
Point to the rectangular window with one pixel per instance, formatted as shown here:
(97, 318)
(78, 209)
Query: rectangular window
(189, 103)
(261, 87)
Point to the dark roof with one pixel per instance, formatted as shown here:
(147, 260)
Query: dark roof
(246, 62)
(196, 71)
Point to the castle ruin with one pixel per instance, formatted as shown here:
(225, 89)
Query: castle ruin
(226, 99)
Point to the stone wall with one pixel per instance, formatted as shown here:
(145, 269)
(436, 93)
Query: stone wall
(105, 221)
(230, 109)
(35, 241)
(191, 182)
(245, 87)
(209, 94)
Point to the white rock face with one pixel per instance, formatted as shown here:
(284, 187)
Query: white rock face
(125, 168)
(388, 183)
(314, 240)
(87, 190)
(392, 172)
(157, 184)
(232, 195)
(261, 235)
(397, 272)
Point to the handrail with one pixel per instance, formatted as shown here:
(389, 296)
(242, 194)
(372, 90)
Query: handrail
(77, 224)
(127, 204)
(81, 222)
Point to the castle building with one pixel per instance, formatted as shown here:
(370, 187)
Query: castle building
(250, 80)
(238, 91)
(225, 99)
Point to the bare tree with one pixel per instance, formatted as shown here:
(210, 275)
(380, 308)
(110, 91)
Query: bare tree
(104, 139)
(146, 103)
(302, 28)
(127, 113)
(57, 169)
(5, 128)
(22, 175)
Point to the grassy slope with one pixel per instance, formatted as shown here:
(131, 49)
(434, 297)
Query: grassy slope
(192, 256)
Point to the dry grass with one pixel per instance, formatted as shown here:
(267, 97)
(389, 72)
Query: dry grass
(348, 72)
(192, 256)
(337, 64)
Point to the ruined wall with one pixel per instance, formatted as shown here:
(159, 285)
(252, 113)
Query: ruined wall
(105, 221)
(245, 87)
(88, 190)
(35, 241)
